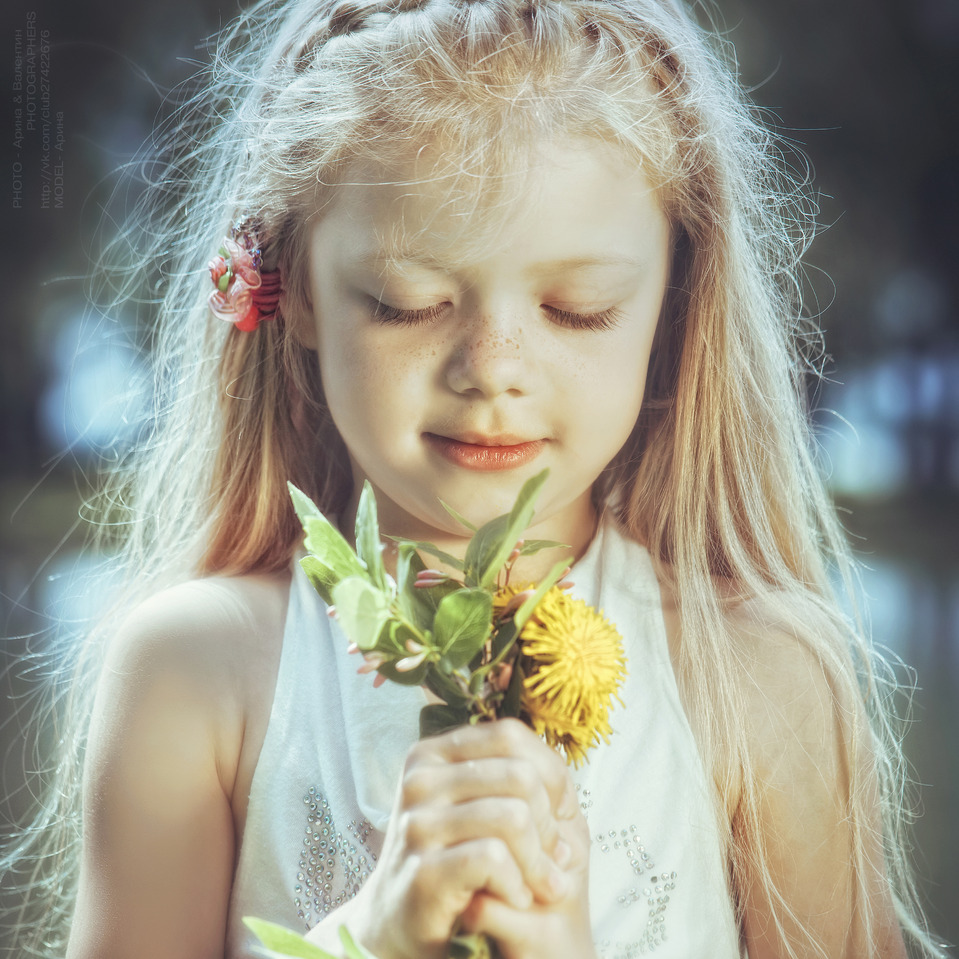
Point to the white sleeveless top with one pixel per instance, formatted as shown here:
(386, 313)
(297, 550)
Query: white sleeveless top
(324, 784)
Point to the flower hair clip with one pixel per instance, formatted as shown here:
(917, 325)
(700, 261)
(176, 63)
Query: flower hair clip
(244, 293)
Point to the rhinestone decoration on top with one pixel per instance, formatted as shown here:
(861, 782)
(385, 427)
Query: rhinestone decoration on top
(332, 866)
(651, 888)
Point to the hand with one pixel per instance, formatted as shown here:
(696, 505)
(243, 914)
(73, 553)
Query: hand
(485, 817)
(559, 929)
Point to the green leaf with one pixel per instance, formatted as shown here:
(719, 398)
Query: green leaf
(462, 520)
(490, 547)
(408, 564)
(305, 509)
(535, 545)
(444, 686)
(552, 578)
(487, 545)
(397, 636)
(462, 625)
(413, 677)
(284, 941)
(369, 548)
(396, 650)
(325, 542)
(362, 610)
(513, 700)
(321, 576)
(432, 550)
(504, 637)
(418, 605)
(438, 718)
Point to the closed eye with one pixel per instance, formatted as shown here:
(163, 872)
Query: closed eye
(603, 320)
(393, 315)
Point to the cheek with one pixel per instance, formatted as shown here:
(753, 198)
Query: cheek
(346, 356)
(365, 374)
(348, 372)
(611, 382)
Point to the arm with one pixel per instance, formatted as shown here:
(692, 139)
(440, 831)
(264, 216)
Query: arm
(158, 841)
(799, 720)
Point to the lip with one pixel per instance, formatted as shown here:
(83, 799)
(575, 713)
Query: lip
(485, 454)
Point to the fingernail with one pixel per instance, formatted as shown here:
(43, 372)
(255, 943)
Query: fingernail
(562, 854)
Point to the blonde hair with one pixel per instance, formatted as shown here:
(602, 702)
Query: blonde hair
(718, 478)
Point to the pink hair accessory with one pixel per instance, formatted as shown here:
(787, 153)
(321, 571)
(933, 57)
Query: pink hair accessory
(244, 293)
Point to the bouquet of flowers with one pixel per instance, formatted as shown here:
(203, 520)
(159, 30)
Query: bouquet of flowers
(486, 647)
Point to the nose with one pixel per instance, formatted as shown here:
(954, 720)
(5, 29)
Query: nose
(488, 357)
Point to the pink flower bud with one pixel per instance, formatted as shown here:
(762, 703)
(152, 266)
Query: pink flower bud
(371, 663)
(516, 601)
(431, 573)
(410, 663)
(500, 677)
(426, 578)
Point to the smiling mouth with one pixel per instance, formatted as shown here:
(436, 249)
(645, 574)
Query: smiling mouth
(485, 454)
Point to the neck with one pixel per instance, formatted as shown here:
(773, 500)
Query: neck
(574, 527)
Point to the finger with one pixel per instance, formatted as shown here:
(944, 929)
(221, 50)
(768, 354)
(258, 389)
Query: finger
(463, 782)
(540, 932)
(482, 864)
(511, 927)
(507, 819)
(510, 737)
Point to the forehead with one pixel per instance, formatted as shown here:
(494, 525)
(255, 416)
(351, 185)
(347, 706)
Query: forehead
(572, 200)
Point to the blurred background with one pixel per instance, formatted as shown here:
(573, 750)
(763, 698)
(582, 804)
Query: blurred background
(865, 89)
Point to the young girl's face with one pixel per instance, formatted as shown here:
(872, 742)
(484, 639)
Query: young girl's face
(454, 376)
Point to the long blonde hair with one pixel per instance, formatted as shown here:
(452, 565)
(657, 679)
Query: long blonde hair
(718, 478)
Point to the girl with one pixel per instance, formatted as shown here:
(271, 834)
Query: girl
(473, 239)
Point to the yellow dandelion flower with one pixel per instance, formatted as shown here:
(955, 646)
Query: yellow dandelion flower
(510, 598)
(574, 664)
(572, 736)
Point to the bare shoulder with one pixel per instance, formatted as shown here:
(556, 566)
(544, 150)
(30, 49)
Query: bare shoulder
(809, 825)
(188, 678)
(207, 648)
(204, 618)
(181, 706)
(796, 679)
(210, 631)
(816, 795)
(793, 680)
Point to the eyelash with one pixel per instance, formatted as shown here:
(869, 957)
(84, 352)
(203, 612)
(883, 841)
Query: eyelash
(603, 320)
(394, 316)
